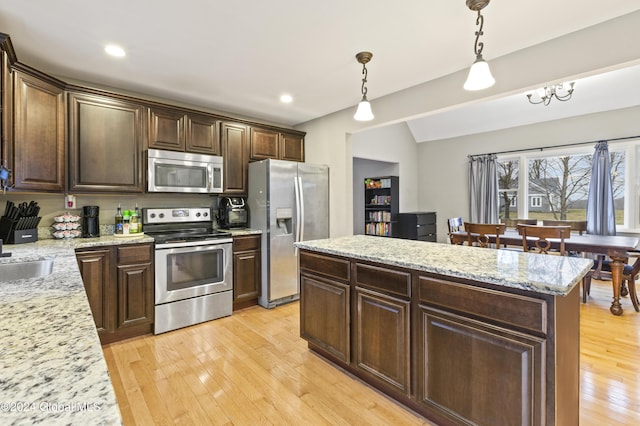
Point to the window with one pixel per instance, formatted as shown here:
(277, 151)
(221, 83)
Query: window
(554, 184)
(536, 201)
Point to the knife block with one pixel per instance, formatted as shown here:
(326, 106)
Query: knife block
(9, 233)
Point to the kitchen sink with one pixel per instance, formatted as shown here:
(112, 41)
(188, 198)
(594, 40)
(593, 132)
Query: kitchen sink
(25, 270)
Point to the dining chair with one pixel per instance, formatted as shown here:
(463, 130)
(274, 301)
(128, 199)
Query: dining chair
(536, 238)
(513, 223)
(578, 226)
(478, 233)
(629, 274)
(455, 225)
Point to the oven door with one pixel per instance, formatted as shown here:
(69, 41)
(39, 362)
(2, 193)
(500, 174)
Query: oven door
(183, 272)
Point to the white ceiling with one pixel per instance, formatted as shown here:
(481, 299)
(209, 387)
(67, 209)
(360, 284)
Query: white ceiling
(239, 57)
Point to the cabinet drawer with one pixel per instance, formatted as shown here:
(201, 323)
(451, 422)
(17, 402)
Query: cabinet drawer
(389, 281)
(327, 266)
(246, 242)
(509, 309)
(140, 253)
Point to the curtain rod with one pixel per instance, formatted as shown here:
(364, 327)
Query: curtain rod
(554, 146)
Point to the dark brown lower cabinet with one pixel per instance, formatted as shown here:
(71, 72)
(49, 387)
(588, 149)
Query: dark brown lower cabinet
(459, 352)
(119, 285)
(381, 339)
(247, 275)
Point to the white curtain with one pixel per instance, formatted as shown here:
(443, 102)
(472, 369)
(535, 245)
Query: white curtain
(483, 189)
(601, 215)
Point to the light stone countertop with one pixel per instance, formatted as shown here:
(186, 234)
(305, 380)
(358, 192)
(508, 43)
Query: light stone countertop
(242, 231)
(52, 368)
(549, 274)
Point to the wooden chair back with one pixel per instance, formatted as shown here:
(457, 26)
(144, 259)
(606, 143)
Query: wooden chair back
(543, 234)
(455, 225)
(478, 233)
(513, 223)
(578, 226)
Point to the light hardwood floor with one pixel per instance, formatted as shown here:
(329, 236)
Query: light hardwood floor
(253, 368)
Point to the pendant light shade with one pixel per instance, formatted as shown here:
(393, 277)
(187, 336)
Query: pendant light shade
(479, 76)
(364, 113)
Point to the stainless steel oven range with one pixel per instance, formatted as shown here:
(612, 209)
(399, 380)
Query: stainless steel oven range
(193, 267)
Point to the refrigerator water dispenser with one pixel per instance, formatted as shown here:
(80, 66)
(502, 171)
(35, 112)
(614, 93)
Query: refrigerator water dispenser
(284, 220)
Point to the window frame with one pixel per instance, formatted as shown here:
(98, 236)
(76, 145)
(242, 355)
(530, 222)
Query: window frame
(631, 148)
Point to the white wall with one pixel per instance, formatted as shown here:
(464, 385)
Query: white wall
(329, 139)
(446, 160)
(393, 144)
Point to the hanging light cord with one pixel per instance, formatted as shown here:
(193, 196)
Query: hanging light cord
(364, 81)
(479, 45)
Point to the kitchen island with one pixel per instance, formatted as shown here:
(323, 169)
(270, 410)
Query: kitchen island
(462, 335)
(52, 369)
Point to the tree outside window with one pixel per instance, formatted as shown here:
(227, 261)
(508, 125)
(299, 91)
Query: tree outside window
(508, 172)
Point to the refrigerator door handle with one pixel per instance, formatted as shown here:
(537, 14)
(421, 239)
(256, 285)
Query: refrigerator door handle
(297, 191)
(301, 209)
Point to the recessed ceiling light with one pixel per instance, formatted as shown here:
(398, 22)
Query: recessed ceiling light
(114, 50)
(286, 99)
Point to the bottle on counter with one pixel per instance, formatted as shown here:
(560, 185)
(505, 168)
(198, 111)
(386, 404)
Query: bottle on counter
(126, 218)
(139, 219)
(133, 222)
(119, 229)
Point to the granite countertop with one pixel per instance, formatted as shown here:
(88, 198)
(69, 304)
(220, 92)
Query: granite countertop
(243, 231)
(555, 275)
(52, 368)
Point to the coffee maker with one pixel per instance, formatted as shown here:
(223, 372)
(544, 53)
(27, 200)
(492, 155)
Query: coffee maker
(90, 223)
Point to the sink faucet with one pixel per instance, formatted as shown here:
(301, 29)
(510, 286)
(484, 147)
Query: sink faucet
(3, 254)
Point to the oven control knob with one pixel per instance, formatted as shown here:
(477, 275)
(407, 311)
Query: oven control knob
(198, 214)
(205, 214)
(161, 215)
(152, 215)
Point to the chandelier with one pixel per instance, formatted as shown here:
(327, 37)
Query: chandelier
(479, 74)
(364, 113)
(545, 94)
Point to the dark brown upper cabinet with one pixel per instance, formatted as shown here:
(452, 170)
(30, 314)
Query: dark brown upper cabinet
(235, 149)
(266, 143)
(105, 143)
(38, 132)
(176, 130)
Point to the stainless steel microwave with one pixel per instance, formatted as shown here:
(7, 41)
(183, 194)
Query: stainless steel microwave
(171, 171)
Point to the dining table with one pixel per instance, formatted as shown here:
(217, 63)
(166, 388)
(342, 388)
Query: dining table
(617, 247)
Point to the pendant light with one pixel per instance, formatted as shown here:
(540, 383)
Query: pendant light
(364, 113)
(479, 74)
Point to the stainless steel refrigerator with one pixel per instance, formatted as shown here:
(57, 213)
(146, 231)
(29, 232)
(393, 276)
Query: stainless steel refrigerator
(289, 202)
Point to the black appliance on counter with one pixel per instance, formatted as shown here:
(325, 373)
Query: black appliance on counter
(233, 212)
(90, 222)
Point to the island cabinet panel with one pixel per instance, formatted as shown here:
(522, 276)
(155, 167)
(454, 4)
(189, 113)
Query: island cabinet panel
(510, 310)
(475, 373)
(392, 281)
(39, 147)
(325, 304)
(105, 143)
(381, 339)
(325, 319)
